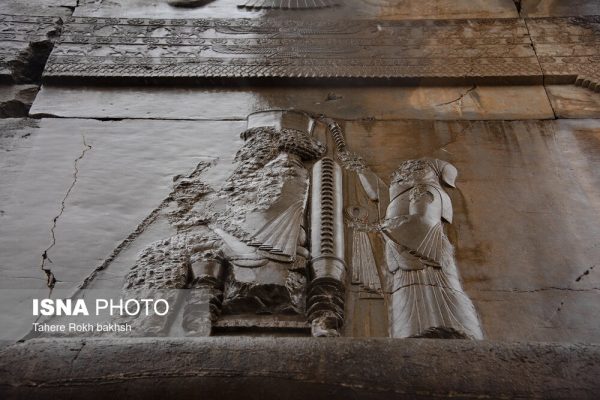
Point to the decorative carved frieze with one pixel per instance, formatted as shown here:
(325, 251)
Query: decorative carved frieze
(568, 49)
(118, 48)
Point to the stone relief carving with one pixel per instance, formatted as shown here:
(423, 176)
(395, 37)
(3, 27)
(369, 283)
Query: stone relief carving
(107, 48)
(295, 222)
(242, 251)
(427, 299)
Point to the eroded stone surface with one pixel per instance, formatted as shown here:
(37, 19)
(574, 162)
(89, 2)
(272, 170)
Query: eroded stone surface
(298, 368)
(16, 100)
(382, 103)
(198, 49)
(25, 44)
(569, 101)
(524, 225)
(559, 8)
(567, 49)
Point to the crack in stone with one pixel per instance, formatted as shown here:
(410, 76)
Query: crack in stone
(537, 57)
(50, 278)
(585, 273)
(83, 343)
(201, 166)
(460, 98)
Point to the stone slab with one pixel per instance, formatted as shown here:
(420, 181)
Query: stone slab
(294, 368)
(25, 43)
(381, 103)
(387, 9)
(559, 8)
(190, 50)
(570, 101)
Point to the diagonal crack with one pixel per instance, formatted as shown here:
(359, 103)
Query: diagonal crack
(50, 278)
(459, 99)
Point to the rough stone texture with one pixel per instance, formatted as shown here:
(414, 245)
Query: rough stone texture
(124, 175)
(381, 103)
(570, 101)
(25, 44)
(16, 100)
(224, 368)
(559, 8)
(117, 49)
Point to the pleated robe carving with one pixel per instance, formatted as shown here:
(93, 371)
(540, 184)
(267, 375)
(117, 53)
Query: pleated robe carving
(427, 299)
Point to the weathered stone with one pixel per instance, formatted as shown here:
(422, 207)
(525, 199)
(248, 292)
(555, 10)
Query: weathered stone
(442, 9)
(79, 188)
(38, 7)
(570, 101)
(532, 174)
(567, 49)
(381, 103)
(16, 100)
(25, 44)
(192, 50)
(223, 368)
(559, 8)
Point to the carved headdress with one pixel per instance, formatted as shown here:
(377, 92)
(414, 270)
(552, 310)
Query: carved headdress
(282, 130)
(415, 172)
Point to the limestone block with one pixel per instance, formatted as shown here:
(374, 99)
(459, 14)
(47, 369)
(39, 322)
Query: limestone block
(381, 103)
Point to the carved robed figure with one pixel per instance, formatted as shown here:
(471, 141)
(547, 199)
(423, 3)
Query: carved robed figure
(266, 249)
(427, 299)
(242, 250)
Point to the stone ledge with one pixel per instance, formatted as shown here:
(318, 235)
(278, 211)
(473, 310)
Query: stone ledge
(295, 368)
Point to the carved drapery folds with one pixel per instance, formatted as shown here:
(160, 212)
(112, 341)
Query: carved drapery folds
(274, 247)
(427, 299)
(243, 252)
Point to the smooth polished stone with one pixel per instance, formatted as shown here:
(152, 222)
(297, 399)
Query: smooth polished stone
(381, 103)
(559, 8)
(569, 101)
